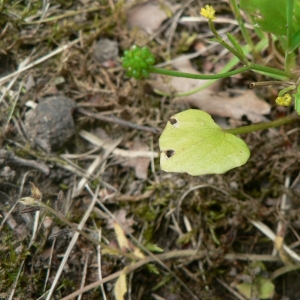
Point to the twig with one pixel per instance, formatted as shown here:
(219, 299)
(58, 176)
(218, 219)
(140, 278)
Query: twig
(133, 198)
(14, 206)
(49, 264)
(119, 152)
(10, 158)
(72, 244)
(99, 264)
(96, 164)
(170, 255)
(154, 257)
(231, 290)
(116, 120)
(271, 235)
(40, 60)
(284, 206)
(84, 274)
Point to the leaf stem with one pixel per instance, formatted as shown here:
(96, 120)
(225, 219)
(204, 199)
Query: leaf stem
(262, 126)
(218, 39)
(197, 76)
(251, 66)
(240, 21)
(265, 69)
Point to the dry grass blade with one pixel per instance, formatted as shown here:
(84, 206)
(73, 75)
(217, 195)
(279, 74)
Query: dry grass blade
(84, 273)
(114, 119)
(29, 209)
(231, 290)
(38, 61)
(118, 152)
(139, 254)
(99, 265)
(271, 235)
(195, 255)
(71, 245)
(109, 147)
(59, 203)
(59, 233)
(120, 287)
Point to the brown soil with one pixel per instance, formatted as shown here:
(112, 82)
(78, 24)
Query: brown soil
(174, 236)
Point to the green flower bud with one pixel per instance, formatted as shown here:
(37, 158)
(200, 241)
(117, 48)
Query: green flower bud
(137, 62)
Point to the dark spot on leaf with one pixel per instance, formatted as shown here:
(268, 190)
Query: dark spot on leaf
(173, 121)
(170, 153)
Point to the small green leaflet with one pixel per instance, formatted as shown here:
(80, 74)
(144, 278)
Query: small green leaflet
(297, 100)
(193, 143)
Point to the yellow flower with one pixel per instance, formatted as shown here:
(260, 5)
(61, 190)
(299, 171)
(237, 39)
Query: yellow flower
(284, 101)
(208, 12)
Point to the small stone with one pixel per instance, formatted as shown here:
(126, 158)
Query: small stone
(106, 52)
(47, 223)
(51, 124)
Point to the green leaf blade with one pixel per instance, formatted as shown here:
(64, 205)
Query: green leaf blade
(193, 143)
(235, 43)
(295, 41)
(271, 16)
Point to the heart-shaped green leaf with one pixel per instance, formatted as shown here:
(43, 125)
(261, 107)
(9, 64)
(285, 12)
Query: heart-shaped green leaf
(193, 143)
(271, 15)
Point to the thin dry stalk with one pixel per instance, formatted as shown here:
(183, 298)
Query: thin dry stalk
(284, 207)
(84, 272)
(143, 248)
(99, 264)
(271, 235)
(232, 291)
(72, 244)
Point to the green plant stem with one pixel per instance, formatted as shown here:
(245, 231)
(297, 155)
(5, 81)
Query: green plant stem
(240, 21)
(232, 63)
(289, 17)
(218, 39)
(287, 89)
(254, 67)
(265, 69)
(197, 76)
(262, 126)
(289, 63)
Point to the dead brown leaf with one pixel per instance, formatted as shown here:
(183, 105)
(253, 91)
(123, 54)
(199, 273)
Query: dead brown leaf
(140, 164)
(149, 16)
(126, 223)
(120, 287)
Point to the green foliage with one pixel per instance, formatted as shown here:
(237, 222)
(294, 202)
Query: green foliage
(10, 263)
(261, 287)
(235, 44)
(185, 238)
(271, 16)
(152, 269)
(154, 248)
(137, 62)
(295, 41)
(193, 143)
(297, 100)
